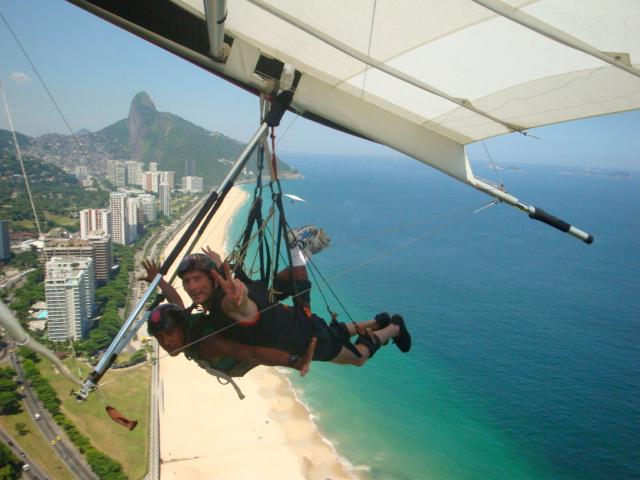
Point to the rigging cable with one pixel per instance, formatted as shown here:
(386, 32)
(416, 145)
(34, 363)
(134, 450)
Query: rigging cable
(24, 173)
(367, 67)
(493, 165)
(53, 100)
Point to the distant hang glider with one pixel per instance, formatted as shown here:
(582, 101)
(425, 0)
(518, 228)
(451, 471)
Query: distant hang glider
(424, 77)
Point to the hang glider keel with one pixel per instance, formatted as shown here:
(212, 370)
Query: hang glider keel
(534, 213)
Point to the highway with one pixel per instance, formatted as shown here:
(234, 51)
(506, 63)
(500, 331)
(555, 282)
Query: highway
(10, 281)
(65, 449)
(35, 471)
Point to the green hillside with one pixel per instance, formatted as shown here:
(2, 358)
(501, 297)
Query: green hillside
(6, 141)
(56, 194)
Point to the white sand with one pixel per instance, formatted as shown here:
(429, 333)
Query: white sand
(207, 432)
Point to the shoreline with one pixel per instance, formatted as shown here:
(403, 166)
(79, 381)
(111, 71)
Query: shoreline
(207, 432)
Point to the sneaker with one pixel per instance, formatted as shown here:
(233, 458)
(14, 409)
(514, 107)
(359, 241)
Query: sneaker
(310, 239)
(403, 340)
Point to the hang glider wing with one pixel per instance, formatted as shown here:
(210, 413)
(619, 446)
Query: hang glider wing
(422, 76)
(425, 77)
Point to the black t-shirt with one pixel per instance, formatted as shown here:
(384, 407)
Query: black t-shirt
(277, 326)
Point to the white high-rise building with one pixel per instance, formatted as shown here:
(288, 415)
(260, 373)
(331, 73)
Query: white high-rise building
(150, 181)
(93, 220)
(164, 193)
(5, 247)
(132, 219)
(134, 172)
(192, 184)
(70, 297)
(148, 205)
(168, 178)
(153, 167)
(118, 207)
(64, 247)
(116, 172)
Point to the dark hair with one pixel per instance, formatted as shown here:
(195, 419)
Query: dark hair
(195, 261)
(164, 317)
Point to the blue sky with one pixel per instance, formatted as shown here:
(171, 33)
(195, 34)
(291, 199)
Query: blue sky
(94, 69)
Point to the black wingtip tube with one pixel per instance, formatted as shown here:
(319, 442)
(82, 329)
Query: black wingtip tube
(555, 222)
(544, 217)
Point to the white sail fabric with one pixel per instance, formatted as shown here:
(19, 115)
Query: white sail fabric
(516, 64)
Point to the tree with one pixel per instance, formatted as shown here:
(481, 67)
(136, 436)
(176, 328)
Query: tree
(11, 465)
(21, 429)
(9, 403)
(9, 396)
(138, 357)
(27, 259)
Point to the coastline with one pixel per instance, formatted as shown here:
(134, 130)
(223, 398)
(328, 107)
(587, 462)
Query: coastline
(207, 432)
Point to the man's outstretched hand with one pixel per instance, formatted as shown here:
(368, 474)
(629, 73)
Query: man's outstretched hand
(152, 268)
(217, 259)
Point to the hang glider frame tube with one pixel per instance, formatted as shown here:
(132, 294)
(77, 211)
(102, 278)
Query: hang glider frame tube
(216, 13)
(534, 213)
(125, 333)
(23, 339)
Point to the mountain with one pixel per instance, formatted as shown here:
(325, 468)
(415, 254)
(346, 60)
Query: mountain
(170, 140)
(6, 141)
(146, 135)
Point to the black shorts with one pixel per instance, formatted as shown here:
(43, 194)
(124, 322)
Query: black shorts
(301, 290)
(329, 339)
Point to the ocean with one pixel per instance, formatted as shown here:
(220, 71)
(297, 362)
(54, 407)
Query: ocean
(526, 342)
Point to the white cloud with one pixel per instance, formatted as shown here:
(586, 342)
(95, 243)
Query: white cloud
(20, 77)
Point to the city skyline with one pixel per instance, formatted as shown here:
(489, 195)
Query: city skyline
(94, 69)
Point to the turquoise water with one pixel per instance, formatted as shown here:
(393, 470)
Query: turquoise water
(526, 356)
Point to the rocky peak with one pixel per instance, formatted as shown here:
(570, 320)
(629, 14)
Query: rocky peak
(143, 116)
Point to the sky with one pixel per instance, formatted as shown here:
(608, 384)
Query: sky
(93, 69)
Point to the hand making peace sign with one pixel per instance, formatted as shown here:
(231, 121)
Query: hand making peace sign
(235, 290)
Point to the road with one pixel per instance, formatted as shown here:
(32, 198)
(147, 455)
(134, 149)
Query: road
(72, 458)
(10, 281)
(35, 470)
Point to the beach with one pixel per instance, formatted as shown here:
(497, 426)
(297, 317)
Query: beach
(207, 432)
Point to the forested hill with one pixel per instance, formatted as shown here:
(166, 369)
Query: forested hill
(6, 141)
(57, 195)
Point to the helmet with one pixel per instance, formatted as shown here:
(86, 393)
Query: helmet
(164, 317)
(195, 261)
